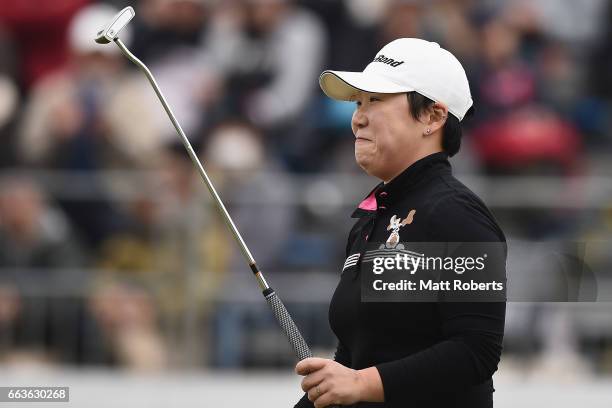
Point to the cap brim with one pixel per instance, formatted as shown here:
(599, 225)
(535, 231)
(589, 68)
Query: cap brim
(343, 85)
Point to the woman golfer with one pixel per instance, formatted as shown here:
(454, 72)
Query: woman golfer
(410, 101)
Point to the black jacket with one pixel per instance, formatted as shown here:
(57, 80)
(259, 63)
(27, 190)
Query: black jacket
(433, 354)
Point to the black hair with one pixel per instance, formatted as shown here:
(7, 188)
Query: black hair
(451, 132)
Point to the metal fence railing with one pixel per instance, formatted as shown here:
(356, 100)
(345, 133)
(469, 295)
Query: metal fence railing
(166, 286)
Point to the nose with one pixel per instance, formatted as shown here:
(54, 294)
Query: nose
(359, 121)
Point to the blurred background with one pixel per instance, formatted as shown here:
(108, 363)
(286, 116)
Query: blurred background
(117, 276)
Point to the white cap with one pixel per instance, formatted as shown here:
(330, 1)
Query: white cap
(406, 65)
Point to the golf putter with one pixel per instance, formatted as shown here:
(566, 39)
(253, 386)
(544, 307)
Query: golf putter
(110, 33)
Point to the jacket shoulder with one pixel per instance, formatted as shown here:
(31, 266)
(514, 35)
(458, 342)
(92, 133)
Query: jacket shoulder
(457, 214)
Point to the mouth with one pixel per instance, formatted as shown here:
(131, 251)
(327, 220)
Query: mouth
(362, 139)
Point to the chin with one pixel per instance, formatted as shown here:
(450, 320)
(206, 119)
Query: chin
(370, 170)
(365, 166)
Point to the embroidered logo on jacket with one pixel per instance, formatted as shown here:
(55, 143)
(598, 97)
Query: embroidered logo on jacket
(395, 224)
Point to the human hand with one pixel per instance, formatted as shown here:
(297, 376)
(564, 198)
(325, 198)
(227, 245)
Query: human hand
(328, 382)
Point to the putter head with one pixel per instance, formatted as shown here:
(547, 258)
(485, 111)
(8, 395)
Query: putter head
(111, 31)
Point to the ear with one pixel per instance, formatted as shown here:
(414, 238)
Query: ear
(436, 117)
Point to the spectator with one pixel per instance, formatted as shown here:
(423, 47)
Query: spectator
(127, 317)
(71, 120)
(574, 22)
(168, 38)
(9, 101)
(251, 184)
(32, 233)
(38, 30)
(270, 53)
(503, 81)
(258, 198)
(90, 117)
(39, 257)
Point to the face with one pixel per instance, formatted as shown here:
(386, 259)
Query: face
(387, 138)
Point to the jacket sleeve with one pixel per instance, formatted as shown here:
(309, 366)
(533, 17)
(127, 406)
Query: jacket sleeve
(343, 357)
(472, 332)
(467, 356)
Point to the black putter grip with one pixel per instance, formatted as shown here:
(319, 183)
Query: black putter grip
(286, 322)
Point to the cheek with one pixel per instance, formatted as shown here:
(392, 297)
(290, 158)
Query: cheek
(383, 128)
(385, 146)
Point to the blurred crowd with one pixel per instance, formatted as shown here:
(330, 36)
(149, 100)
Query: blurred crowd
(105, 243)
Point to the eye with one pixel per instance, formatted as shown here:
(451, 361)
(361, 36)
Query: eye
(374, 99)
(358, 103)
